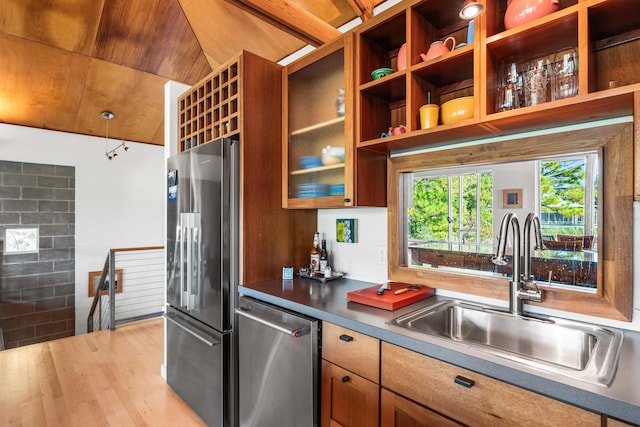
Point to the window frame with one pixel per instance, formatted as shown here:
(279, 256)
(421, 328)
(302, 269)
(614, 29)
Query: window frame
(615, 146)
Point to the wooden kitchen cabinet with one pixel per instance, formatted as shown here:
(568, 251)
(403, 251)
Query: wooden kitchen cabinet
(603, 32)
(350, 377)
(447, 389)
(396, 411)
(242, 100)
(313, 121)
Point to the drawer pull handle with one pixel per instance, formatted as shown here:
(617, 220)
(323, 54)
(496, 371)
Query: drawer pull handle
(346, 338)
(345, 379)
(465, 382)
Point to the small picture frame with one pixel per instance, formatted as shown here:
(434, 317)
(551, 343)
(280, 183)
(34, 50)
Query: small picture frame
(94, 279)
(346, 230)
(512, 198)
(21, 240)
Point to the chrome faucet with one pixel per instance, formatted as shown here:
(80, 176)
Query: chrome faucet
(522, 286)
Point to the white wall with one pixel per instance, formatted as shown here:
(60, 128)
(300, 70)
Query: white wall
(119, 203)
(359, 260)
(520, 175)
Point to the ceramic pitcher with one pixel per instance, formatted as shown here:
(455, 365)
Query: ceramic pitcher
(439, 48)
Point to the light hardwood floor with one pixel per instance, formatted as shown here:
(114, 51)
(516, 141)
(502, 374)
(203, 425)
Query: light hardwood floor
(99, 379)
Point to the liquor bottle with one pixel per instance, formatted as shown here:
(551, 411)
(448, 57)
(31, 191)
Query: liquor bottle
(324, 258)
(315, 254)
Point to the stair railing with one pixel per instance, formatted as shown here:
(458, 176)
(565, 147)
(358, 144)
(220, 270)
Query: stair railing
(103, 307)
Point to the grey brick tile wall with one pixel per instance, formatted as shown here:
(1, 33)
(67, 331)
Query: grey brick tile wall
(37, 290)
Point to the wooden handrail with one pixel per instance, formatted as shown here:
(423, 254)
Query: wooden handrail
(143, 248)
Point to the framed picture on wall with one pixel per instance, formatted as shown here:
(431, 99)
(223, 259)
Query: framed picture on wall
(94, 279)
(512, 198)
(21, 240)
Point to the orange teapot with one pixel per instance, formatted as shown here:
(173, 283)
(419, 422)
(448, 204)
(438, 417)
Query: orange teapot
(438, 48)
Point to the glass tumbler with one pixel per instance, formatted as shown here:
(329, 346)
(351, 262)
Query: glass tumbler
(536, 81)
(509, 94)
(564, 77)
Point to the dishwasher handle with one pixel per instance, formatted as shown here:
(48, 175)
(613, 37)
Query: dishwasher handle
(295, 333)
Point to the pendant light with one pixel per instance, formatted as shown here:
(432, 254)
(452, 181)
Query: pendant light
(111, 154)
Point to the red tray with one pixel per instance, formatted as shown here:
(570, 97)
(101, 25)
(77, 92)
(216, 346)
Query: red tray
(388, 300)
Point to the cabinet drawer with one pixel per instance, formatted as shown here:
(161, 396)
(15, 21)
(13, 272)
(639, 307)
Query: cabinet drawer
(351, 350)
(486, 402)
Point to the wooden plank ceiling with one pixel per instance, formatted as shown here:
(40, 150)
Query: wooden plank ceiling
(63, 62)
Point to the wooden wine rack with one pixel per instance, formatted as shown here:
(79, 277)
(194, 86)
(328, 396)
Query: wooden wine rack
(211, 108)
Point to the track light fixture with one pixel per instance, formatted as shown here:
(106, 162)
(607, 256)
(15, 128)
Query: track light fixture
(111, 154)
(470, 9)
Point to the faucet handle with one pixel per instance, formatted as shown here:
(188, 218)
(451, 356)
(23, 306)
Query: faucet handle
(530, 291)
(499, 260)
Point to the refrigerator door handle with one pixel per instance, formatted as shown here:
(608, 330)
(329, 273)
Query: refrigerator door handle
(190, 331)
(295, 333)
(185, 261)
(182, 232)
(196, 258)
(189, 251)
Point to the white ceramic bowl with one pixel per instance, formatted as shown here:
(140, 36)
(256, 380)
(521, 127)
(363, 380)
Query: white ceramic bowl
(332, 155)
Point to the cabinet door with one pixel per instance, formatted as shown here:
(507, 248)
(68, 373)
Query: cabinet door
(486, 401)
(347, 399)
(315, 141)
(400, 412)
(321, 168)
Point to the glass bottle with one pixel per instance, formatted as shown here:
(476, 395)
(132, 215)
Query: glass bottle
(324, 259)
(314, 254)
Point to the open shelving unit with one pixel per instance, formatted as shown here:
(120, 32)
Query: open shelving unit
(606, 34)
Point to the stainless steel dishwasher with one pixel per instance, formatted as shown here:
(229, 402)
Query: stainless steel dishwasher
(278, 366)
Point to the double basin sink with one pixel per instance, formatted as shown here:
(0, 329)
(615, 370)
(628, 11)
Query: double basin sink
(577, 350)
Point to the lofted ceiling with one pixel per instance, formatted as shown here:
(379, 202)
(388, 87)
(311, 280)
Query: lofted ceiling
(63, 62)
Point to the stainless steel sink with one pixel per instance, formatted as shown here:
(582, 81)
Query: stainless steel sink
(578, 350)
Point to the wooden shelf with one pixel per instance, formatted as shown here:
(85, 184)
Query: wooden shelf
(318, 169)
(318, 126)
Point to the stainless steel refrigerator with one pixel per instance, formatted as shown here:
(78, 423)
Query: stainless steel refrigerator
(202, 272)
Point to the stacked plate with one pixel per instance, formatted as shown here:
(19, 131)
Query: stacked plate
(313, 190)
(308, 162)
(336, 189)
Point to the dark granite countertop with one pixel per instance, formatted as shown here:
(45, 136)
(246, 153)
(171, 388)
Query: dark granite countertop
(328, 302)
